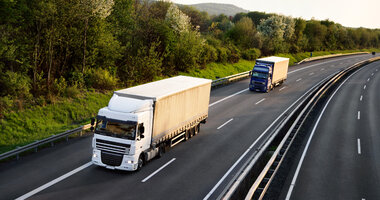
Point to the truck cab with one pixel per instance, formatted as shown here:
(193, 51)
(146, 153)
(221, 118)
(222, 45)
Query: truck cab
(261, 77)
(122, 133)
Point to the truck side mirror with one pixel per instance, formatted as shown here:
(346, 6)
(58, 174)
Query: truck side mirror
(92, 121)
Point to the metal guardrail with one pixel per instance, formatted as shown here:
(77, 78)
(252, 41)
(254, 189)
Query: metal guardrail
(16, 152)
(282, 138)
(229, 79)
(330, 56)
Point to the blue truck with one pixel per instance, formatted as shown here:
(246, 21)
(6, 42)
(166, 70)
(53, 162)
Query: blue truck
(268, 73)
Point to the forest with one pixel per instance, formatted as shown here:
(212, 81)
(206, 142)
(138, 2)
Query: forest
(51, 49)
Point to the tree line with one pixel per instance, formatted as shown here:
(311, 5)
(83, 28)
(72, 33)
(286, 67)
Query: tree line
(58, 48)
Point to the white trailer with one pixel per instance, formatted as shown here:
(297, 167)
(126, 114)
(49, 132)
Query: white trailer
(140, 122)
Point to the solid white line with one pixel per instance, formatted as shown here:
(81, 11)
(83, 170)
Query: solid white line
(372, 74)
(359, 148)
(311, 73)
(358, 114)
(158, 170)
(322, 69)
(309, 140)
(257, 140)
(361, 97)
(225, 123)
(39, 189)
(282, 88)
(298, 79)
(368, 79)
(225, 98)
(260, 101)
(365, 86)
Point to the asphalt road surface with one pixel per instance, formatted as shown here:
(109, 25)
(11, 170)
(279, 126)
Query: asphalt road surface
(342, 160)
(200, 168)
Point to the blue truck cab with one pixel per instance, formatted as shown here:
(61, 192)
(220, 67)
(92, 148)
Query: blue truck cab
(268, 73)
(260, 77)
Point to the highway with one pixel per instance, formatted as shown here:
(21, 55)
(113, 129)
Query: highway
(200, 168)
(342, 157)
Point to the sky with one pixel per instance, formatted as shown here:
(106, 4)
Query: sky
(349, 13)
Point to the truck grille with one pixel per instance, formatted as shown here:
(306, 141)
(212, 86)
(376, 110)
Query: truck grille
(112, 147)
(111, 159)
(258, 83)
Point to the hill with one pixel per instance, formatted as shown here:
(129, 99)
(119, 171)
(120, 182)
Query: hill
(218, 8)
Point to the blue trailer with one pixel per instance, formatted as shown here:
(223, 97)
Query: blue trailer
(268, 73)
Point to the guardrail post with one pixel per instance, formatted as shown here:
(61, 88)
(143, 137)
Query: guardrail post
(36, 149)
(67, 138)
(52, 144)
(17, 157)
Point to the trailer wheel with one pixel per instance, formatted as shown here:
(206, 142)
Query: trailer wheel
(160, 152)
(196, 129)
(186, 136)
(140, 162)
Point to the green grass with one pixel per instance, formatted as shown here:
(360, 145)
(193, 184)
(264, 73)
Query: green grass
(219, 70)
(23, 127)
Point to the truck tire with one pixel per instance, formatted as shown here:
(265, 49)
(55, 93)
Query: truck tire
(196, 129)
(160, 152)
(186, 136)
(140, 162)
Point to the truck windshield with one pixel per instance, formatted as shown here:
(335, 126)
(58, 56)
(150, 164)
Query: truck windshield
(259, 75)
(116, 129)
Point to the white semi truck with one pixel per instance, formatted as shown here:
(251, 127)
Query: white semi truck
(141, 122)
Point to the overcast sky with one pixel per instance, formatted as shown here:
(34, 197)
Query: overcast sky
(349, 13)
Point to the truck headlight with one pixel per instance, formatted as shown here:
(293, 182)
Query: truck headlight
(130, 161)
(94, 155)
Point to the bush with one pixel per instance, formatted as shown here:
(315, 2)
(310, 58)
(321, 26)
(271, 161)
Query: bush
(16, 85)
(209, 54)
(223, 54)
(72, 91)
(251, 54)
(234, 55)
(59, 86)
(100, 79)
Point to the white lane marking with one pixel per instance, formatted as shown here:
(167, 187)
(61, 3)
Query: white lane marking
(158, 170)
(358, 114)
(368, 79)
(225, 123)
(257, 140)
(298, 79)
(376, 69)
(322, 69)
(361, 97)
(293, 183)
(311, 73)
(372, 74)
(260, 101)
(225, 98)
(359, 147)
(39, 189)
(340, 63)
(282, 88)
(365, 86)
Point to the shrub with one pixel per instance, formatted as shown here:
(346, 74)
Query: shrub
(101, 79)
(222, 54)
(234, 55)
(72, 91)
(15, 84)
(209, 54)
(251, 54)
(59, 86)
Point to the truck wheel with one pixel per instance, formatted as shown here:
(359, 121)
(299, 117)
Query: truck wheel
(197, 128)
(186, 136)
(160, 152)
(140, 162)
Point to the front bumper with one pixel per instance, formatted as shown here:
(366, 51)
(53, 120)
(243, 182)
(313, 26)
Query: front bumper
(128, 163)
